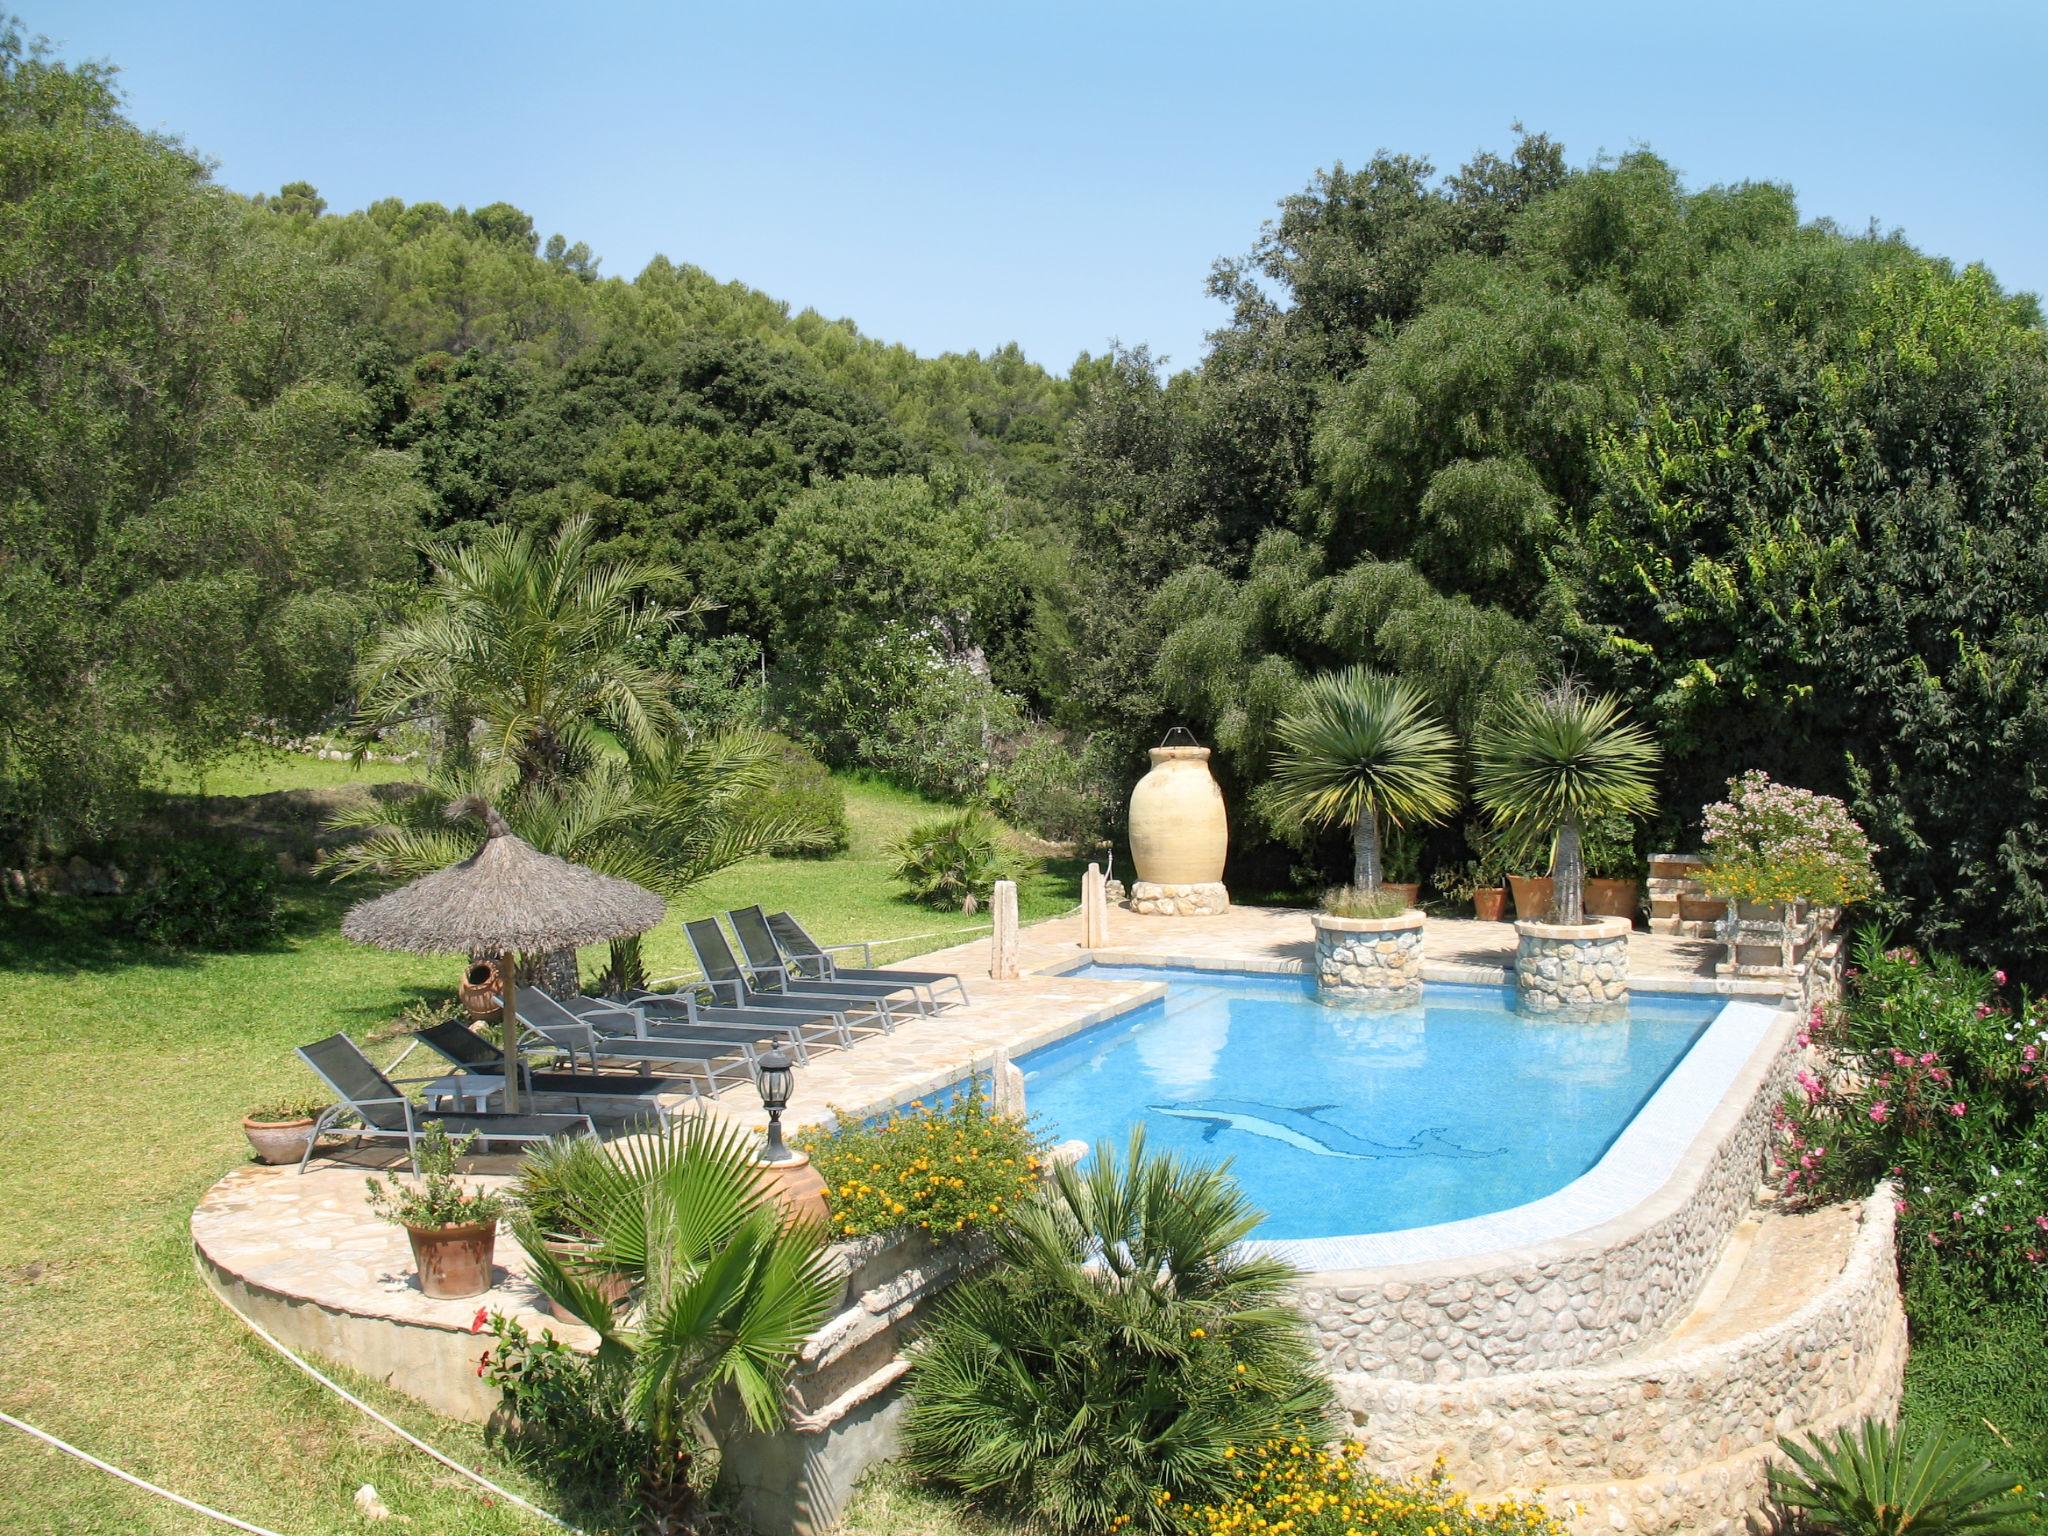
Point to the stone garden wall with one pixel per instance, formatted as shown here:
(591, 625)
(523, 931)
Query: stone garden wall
(1578, 1299)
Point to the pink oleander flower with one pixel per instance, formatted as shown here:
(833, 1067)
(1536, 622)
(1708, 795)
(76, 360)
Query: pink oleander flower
(2031, 1053)
(476, 1324)
(1959, 1109)
(2041, 1222)
(1983, 1010)
(1999, 977)
(1898, 1207)
(1928, 1058)
(2033, 1256)
(1880, 1111)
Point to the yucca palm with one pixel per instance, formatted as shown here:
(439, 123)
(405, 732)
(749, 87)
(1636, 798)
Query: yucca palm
(1125, 1343)
(725, 1287)
(1550, 762)
(1360, 748)
(1861, 1481)
(536, 642)
(668, 814)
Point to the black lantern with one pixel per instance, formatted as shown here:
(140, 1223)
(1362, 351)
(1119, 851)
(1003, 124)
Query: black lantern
(778, 1076)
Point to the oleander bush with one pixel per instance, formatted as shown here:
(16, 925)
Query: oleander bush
(945, 1169)
(1932, 1075)
(1299, 1488)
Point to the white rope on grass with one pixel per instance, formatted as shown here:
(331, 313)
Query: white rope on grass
(397, 1429)
(130, 1478)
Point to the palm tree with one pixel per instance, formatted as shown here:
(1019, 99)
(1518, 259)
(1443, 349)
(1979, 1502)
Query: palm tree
(1124, 1343)
(1550, 762)
(725, 1287)
(1359, 748)
(537, 643)
(668, 814)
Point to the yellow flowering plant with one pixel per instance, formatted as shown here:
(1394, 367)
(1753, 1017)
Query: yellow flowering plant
(1299, 1488)
(944, 1168)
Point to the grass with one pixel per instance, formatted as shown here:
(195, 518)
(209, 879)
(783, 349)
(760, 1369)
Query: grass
(1982, 1377)
(142, 1064)
(260, 770)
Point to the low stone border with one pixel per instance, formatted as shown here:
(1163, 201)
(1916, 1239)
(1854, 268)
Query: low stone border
(1207, 898)
(1573, 968)
(1673, 1439)
(1374, 961)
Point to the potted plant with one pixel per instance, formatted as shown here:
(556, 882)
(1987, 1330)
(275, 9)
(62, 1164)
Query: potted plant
(453, 1229)
(1614, 870)
(1485, 878)
(1774, 850)
(277, 1128)
(1552, 762)
(1360, 749)
(554, 1193)
(1402, 874)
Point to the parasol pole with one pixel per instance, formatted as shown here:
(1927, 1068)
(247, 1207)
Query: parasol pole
(508, 991)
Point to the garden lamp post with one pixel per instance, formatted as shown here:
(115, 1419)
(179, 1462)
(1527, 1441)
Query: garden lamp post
(778, 1077)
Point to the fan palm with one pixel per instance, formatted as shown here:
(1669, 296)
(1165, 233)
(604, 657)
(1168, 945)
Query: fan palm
(725, 1289)
(1361, 748)
(1862, 1482)
(668, 814)
(536, 642)
(1125, 1343)
(1550, 762)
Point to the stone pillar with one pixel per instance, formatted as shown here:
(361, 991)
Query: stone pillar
(1094, 909)
(1574, 969)
(1374, 962)
(1006, 1084)
(1002, 956)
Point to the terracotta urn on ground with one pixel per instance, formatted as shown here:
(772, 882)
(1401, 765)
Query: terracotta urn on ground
(1490, 903)
(1533, 897)
(614, 1288)
(797, 1187)
(454, 1262)
(1410, 893)
(1179, 835)
(1613, 898)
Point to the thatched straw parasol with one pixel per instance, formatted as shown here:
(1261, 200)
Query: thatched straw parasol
(507, 898)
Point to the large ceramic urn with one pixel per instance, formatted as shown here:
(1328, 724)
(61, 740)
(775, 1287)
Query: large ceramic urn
(1178, 832)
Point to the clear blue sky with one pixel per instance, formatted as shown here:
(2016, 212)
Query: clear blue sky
(962, 174)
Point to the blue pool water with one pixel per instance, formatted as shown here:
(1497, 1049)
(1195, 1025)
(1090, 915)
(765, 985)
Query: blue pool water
(1344, 1121)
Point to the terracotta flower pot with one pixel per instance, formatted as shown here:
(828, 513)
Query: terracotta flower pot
(798, 1188)
(278, 1141)
(614, 1288)
(479, 991)
(1411, 895)
(1490, 903)
(454, 1262)
(1613, 898)
(1179, 835)
(1533, 896)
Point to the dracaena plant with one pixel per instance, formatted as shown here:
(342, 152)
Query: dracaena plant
(1364, 751)
(1548, 763)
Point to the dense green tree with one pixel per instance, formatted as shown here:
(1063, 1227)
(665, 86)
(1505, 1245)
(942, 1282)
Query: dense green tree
(195, 525)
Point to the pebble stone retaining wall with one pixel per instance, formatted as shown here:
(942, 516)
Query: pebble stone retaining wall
(1675, 1439)
(1579, 969)
(1572, 1301)
(1207, 899)
(1374, 961)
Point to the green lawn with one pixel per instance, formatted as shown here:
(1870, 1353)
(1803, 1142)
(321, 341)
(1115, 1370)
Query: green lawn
(134, 1068)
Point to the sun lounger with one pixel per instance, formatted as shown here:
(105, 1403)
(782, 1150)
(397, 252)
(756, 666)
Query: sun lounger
(388, 1115)
(733, 984)
(475, 1056)
(806, 957)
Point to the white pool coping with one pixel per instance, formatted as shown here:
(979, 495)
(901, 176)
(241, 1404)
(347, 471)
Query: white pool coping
(1636, 1165)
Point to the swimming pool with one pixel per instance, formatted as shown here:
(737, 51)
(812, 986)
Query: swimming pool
(1343, 1121)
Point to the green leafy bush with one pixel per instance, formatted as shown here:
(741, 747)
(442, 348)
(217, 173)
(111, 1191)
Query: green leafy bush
(1610, 849)
(206, 895)
(804, 791)
(1933, 1077)
(1048, 788)
(1771, 842)
(954, 862)
(1302, 1489)
(566, 1417)
(435, 1197)
(960, 1167)
(1864, 1482)
(1124, 1347)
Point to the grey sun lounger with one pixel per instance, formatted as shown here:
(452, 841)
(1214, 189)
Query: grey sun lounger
(807, 957)
(388, 1115)
(457, 1043)
(731, 982)
(578, 1040)
(683, 1010)
(618, 1021)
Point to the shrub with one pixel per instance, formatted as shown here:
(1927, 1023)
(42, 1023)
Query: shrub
(804, 791)
(1302, 1489)
(1933, 1077)
(1770, 842)
(954, 862)
(566, 1417)
(287, 1108)
(1062, 795)
(957, 1168)
(1863, 1482)
(1350, 901)
(1610, 849)
(435, 1197)
(1120, 1355)
(206, 895)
